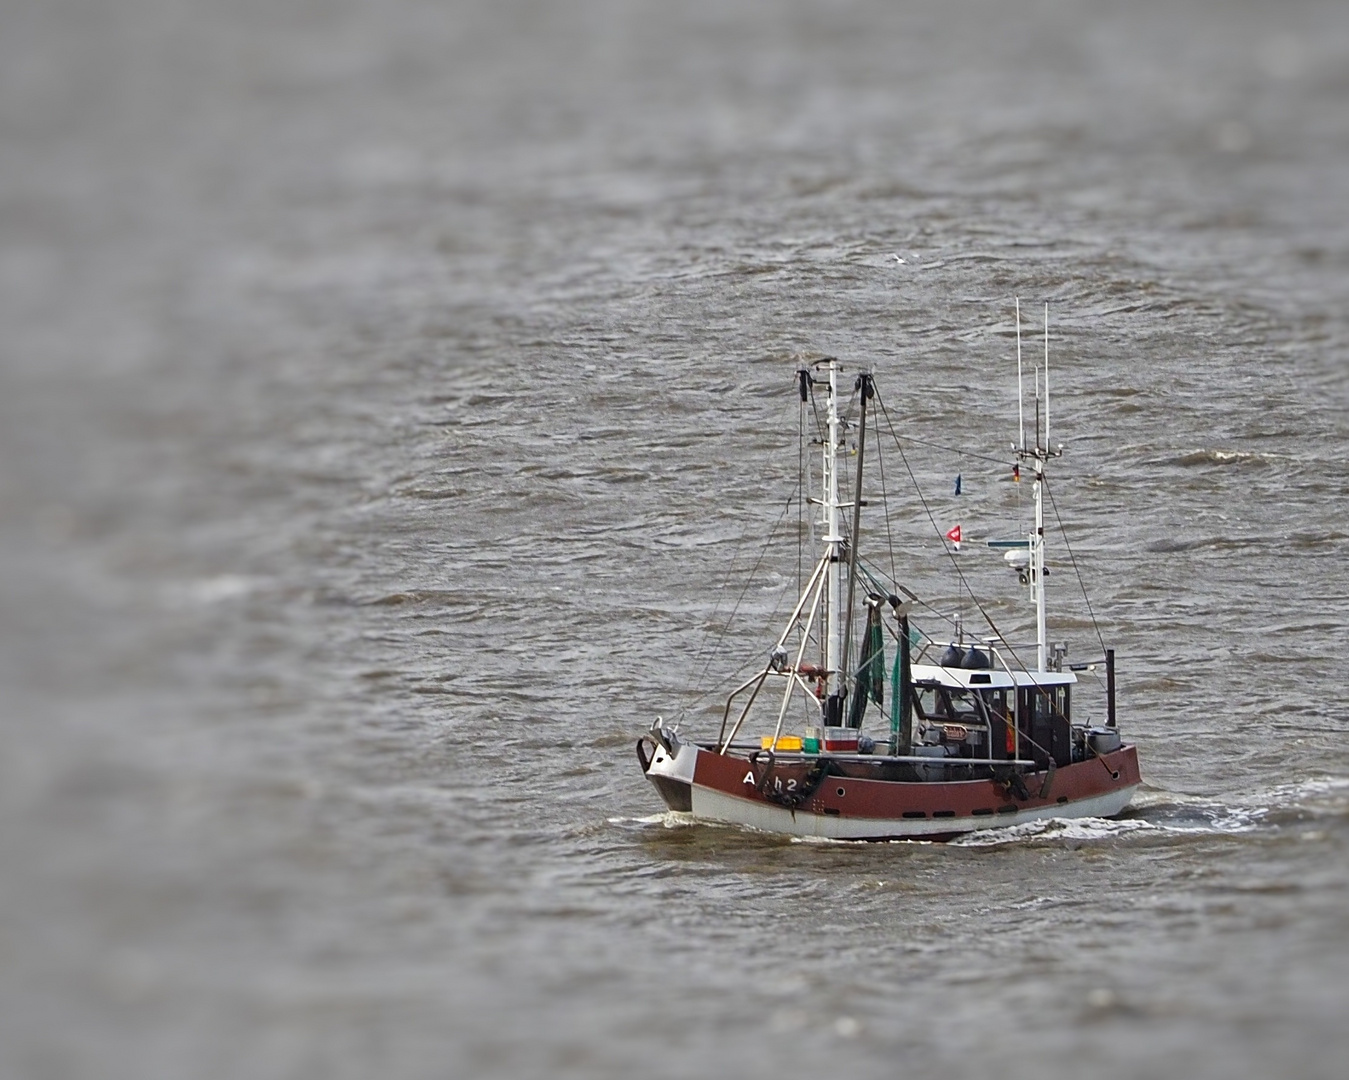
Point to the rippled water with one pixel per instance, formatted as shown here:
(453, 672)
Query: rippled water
(393, 399)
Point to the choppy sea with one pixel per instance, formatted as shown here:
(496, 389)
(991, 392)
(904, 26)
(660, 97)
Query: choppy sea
(394, 398)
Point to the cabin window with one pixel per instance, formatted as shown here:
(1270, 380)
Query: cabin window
(960, 706)
(1059, 701)
(995, 701)
(1042, 703)
(1043, 722)
(925, 701)
(946, 704)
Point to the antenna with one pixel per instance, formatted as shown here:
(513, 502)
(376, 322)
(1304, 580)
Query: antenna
(1020, 394)
(1048, 444)
(1038, 414)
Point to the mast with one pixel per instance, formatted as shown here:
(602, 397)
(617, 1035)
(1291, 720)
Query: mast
(1047, 375)
(865, 390)
(1037, 547)
(1039, 454)
(1020, 393)
(1042, 455)
(833, 541)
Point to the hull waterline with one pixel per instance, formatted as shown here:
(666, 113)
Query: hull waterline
(724, 789)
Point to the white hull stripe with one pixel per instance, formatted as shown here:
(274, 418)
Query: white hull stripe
(710, 804)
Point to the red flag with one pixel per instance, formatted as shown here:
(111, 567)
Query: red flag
(954, 535)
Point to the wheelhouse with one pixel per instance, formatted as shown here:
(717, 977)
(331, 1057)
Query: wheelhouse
(995, 714)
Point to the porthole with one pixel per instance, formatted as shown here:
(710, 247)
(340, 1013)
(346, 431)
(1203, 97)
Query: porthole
(840, 793)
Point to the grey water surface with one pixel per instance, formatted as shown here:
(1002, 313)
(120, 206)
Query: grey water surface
(394, 398)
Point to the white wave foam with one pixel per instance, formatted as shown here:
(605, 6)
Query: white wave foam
(1319, 793)
(1315, 795)
(1212, 819)
(1236, 819)
(1057, 829)
(1159, 807)
(670, 819)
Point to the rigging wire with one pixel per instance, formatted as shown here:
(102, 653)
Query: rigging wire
(1011, 650)
(950, 449)
(773, 618)
(815, 412)
(706, 647)
(800, 490)
(885, 505)
(873, 574)
(844, 483)
(820, 435)
(877, 578)
(1073, 560)
(749, 580)
(710, 650)
(960, 574)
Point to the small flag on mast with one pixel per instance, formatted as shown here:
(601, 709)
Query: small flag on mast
(954, 536)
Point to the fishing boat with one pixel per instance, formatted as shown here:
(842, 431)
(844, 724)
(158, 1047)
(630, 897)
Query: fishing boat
(980, 732)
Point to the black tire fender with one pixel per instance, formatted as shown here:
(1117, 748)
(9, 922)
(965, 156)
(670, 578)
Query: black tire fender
(643, 758)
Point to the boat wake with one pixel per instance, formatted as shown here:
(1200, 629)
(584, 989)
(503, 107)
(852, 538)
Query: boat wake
(1157, 813)
(1056, 830)
(671, 819)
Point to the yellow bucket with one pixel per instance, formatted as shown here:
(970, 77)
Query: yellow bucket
(785, 742)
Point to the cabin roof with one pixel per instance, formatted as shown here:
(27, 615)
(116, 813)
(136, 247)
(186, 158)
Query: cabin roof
(988, 679)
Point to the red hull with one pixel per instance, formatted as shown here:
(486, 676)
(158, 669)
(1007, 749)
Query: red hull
(852, 796)
(850, 804)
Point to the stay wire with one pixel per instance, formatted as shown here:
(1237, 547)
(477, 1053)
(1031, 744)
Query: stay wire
(877, 577)
(846, 424)
(1011, 650)
(1073, 560)
(735, 609)
(711, 650)
(960, 574)
(885, 505)
(820, 435)
(953, 450)
(800, 489)
(707, 648)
